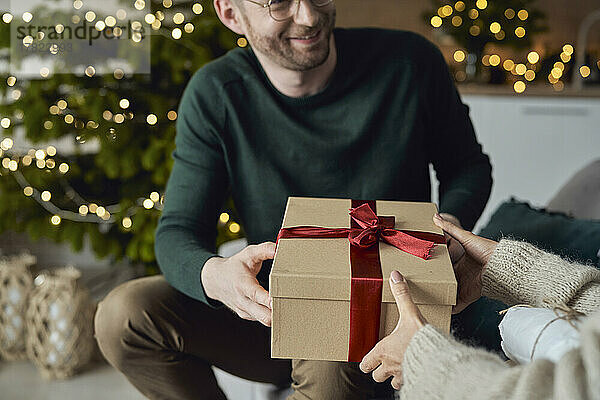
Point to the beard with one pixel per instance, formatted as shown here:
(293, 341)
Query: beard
(282, 51)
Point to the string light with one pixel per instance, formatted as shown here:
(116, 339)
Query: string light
(533, 57)
(585, 71)
(520, 86)
(459, 56)
(234, 227)
(224, 218)
(197, 8)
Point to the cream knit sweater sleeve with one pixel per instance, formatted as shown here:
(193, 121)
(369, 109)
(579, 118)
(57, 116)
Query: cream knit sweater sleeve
(438, 367)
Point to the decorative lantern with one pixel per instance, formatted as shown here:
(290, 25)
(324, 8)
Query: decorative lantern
(60, 338)
(15, 285)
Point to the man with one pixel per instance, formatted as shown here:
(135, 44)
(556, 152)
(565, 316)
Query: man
(306, 111)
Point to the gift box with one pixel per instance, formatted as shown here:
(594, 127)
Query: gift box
(329, 280)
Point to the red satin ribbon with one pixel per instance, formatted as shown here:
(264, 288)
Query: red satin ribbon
(367, 282)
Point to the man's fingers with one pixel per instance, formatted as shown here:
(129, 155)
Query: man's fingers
(457, 233)
(397, 382)
(257, 253)
(259, 295)
(258, 312)
(380, 374)
(370, 361)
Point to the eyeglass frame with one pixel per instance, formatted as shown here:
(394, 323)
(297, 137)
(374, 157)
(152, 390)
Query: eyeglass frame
(268, 5)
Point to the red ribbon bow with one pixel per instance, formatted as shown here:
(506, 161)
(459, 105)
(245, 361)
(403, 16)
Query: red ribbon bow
(372, 228)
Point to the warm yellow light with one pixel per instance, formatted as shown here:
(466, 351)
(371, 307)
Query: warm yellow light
(69, 119)
(474, 30)
(124, 103)
(447, 10)
(100, 211)
(51, 151)
(176, 33)
(473, 13)
(63, 168)
(234, 227)
(7, 17)
(5, 162)
(523, 15)
(197, 8)
(485, 60)
(155, 197)
(189, 27)
(520, 32)
(5, 123)
(521, 69)
(565, 57)
(481, 4)
(93, 207)
(495, 27)
(11, 80)
(568, 49)
(126, 222)
(40, 154)
(172, 115)
(83, 209)
(55, 220)
(119, 118)
(530, 75)
(224, 217)
(27, 16)
(556, 73)
(585, 71)
(509, 13)
(533, 57)
(520, 86)
(28, 191)
(26, 161)
(46, 195)
(460, 6)
(495, 60)
(110, 21)
(90, 16)
(457, 20)
(508, 64)
(459, 56)
(178, 18)
(151, 119)
(559, 65)
(13, 165)
(149, 18)
(242, 42)
(148, 204)
(40, 164)
(436, 21)
(6, 144)
(559, 86)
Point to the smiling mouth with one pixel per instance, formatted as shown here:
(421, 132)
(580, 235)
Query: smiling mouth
(314, 35)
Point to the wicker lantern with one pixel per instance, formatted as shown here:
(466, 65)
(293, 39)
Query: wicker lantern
(15, 285)
(60, 337)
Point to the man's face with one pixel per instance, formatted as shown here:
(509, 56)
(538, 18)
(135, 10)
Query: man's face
(280, 40)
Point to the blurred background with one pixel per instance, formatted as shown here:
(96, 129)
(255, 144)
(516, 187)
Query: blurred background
(86, 139)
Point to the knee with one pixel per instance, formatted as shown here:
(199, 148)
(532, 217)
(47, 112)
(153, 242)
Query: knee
(327, 379)
(116, 315)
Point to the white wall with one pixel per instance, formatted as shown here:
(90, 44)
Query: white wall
(535, 143)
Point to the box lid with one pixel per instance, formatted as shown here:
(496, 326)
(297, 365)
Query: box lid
(309, 268)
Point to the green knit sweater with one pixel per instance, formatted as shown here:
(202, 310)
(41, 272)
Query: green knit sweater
(389, 111)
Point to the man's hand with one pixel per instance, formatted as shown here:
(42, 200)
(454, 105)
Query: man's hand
(233, 282)
(455, 249)
(470, 266)
(387, 355)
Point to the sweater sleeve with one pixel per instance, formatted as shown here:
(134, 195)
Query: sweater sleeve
(186, 234)
(461, 167)
(521, 273)
(438, 367)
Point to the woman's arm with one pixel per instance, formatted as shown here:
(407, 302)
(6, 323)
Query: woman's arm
(519, 273)
(438, 367)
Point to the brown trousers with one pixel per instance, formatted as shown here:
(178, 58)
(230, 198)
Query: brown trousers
(165, 343)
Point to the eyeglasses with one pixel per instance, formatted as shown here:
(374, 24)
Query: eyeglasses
(281, 10)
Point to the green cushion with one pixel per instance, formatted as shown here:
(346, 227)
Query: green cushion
(577, 240)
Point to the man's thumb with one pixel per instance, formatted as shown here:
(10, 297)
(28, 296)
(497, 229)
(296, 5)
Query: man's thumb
(400, 290)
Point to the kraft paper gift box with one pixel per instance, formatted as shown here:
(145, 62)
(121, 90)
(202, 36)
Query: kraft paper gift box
(325, 306)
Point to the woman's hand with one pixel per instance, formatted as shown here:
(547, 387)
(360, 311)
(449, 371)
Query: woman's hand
(385, 359)
(470, 266)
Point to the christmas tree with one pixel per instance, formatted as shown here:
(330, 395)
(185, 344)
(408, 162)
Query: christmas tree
(475, 23)
(111, 194)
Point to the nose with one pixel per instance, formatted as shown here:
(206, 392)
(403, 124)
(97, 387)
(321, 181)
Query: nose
(306, 14)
